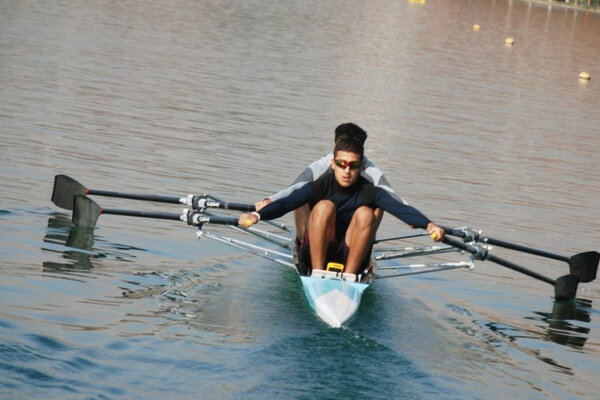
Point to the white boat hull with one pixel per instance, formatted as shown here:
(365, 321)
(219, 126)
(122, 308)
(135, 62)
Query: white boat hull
(334, 300)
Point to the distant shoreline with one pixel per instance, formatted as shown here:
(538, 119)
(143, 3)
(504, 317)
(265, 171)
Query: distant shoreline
(570, 6)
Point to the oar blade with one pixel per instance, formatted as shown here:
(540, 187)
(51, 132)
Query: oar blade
(85, 212)
(565, 287)
(64, 190)
(585, 265)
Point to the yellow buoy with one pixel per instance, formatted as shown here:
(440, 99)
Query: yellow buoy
(476, 27)
(509, 41)
(585, 76)
(417, 1)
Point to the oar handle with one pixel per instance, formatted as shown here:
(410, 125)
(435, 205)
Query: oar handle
(210, 201)
(215, 202)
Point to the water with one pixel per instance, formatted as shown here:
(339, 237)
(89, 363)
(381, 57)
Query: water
(235, 98)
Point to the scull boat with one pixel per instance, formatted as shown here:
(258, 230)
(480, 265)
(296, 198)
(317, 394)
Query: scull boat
(334, 298)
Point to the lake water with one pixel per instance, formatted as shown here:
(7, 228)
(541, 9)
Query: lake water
(235, 98)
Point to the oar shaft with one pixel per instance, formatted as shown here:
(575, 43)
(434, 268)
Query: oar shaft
(193, 218)
(237, 206)
(472, 235)
(215, 202)
(484, 255)
(518, 268)
(142, 214)
(135, 196)
(524, 249)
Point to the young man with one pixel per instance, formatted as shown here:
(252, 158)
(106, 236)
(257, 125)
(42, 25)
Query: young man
(316, 169)
(342, 220)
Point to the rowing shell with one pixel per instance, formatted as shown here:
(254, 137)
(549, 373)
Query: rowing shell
(333, 298)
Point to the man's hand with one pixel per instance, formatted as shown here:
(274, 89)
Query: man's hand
(261, 204)
(247, 220)
(436, 233)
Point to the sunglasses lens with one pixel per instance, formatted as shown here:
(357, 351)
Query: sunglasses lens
(343, 164)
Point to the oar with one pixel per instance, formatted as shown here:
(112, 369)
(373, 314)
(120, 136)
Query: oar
(65, 188)
(86, 213)
(584, 265)
(565, 287)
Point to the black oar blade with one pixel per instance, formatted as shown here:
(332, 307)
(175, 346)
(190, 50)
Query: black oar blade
(585, 265)
(85, 212)
(565, 287)
(65, 188)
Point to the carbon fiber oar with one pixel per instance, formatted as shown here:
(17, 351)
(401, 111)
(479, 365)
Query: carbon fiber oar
(565, 287)
(66, 188)
(86, 213)
(583, 265)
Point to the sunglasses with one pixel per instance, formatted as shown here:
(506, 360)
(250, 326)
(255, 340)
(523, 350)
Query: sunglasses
(352, 164)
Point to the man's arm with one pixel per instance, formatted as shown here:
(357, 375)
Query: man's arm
(407, 214)
(310, 174)
(280, 207)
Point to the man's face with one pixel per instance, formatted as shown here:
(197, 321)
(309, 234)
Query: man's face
(344, 174)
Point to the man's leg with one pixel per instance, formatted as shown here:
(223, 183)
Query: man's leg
(321, 231)
(359, 237)
(301, 218)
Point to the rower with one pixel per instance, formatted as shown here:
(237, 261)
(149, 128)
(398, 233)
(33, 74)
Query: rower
(316, 169)
(342, 221)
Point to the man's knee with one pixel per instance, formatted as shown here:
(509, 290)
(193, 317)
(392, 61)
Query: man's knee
(365, 217)
(323, 208)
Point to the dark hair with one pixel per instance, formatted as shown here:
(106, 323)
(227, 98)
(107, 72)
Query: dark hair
(350, 131)
(349, 145)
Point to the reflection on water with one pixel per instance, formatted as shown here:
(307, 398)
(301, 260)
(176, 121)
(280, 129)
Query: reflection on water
(559, 325)
(76, 245)
(562, 325)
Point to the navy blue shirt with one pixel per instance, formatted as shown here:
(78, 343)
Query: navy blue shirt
(346, 200)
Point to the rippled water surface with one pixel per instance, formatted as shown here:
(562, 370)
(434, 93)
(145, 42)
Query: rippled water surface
(235, 98)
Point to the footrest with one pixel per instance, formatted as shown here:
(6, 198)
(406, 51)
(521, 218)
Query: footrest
(321, 273)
